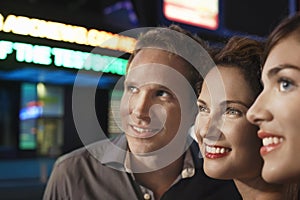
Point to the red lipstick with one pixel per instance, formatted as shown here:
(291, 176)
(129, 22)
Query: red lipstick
(270, 142)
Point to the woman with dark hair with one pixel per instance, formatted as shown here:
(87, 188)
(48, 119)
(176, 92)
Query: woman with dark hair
(227, 140)
(276, 109)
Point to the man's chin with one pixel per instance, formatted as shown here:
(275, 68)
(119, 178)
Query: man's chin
(141, 150)
(139, 147)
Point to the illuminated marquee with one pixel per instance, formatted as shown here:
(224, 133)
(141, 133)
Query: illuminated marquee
(60, 57)
(202, 13)
(22, 25)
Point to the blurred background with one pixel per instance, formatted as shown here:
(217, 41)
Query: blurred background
(44, 43)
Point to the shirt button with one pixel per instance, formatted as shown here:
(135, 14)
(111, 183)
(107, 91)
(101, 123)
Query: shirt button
(147, 196)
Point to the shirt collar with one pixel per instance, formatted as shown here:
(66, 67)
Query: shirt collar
(187, 171)
(115, 153)
(110, 152)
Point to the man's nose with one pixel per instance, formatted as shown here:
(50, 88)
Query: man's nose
(141, 104)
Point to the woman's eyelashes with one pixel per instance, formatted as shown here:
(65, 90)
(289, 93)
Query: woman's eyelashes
(233, 112)
(285, 84)
(228, 111)
(203, 109)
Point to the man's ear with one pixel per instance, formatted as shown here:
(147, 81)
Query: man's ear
(193, 113)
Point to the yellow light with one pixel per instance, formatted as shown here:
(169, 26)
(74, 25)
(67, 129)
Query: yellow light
(41, 90)
(64, 32)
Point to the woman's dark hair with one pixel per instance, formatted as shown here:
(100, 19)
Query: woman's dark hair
(243, 53)
(287, 27)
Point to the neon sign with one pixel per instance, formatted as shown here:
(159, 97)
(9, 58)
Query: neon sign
(60, 57)
(202, 13)
(31, 112)
(67, 33)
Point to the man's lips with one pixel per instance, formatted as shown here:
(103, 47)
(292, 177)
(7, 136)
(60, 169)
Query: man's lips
(144, 132)
(270, 142)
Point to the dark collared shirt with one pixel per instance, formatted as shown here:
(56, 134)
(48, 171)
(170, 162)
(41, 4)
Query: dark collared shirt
(98, 172)
(187, 171)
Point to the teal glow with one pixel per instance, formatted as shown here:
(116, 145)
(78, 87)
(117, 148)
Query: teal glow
(61, 57)
(5, 49)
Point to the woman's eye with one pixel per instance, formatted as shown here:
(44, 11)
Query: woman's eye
(203, 109)
(285, 84)
(233, 112)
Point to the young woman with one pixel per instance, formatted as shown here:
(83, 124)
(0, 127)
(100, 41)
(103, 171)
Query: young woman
(276, 110)
(227, 140)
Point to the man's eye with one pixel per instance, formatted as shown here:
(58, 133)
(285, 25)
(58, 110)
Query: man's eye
(132, 89)
(285, 84)
(162, 93)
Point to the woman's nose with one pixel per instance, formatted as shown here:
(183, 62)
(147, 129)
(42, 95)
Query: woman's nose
(201, 127)
(259, 111)
(210, 127)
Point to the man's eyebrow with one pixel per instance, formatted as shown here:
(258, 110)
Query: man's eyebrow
(278, 68)
(162, 87)
(126, 82)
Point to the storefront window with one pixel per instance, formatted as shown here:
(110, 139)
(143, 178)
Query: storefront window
(41, 113)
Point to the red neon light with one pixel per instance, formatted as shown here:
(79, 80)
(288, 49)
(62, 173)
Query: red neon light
(189, 15)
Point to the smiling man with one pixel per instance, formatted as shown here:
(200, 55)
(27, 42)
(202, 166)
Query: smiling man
(155, 158)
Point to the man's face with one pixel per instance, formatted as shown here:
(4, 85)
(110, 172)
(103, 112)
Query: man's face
(154, 100)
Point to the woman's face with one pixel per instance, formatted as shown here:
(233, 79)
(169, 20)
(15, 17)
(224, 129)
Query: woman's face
(228, 142)
(276, 111)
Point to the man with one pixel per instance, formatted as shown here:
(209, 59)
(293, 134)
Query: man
(155, 158)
